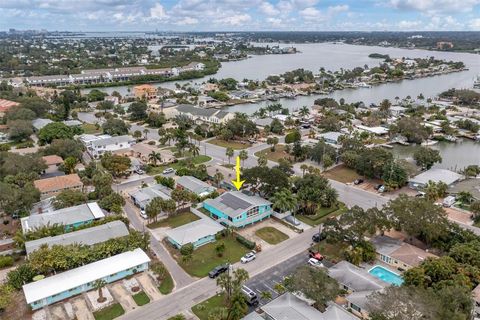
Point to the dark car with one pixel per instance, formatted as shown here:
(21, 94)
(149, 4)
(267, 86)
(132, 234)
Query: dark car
(317, 237)
(218, 270)
(358, 181)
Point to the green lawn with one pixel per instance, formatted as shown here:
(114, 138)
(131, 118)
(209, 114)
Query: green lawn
(177, 317)
(205, 258)
(232, 144)
(271, 235)
(201, 159)
(174, 221)
(322, 215)
(276, 155)
(167, 284)
(333, 252)
(153, 171)
(202, 309)
(108, 313)
(341, 173)
(91, 128)
(141, 298)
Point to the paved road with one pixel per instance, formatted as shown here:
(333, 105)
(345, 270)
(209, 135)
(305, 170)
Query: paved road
(200, 290)
(180, 277)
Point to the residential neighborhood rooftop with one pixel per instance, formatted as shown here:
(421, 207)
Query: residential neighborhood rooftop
(234, 203)
(194, 231)
(436, 175)
(357, 279)
(58, 183)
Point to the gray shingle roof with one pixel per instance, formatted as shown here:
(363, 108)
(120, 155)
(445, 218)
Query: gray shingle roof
(200, 112)
(89, 236)
(355, 278)
(436, 175)
(195, 185)
(288, 307)
(144, 195)
(194, 231)
(235, 202)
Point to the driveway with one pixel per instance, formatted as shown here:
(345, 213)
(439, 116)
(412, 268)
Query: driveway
(149, 287)
(123, 297)
(57, 312)
(249, 232)
(81, 309)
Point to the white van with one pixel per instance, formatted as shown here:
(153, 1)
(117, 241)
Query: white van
(448, 201)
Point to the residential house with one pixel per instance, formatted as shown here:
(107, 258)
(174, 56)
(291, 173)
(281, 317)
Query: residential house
(70, 218)
(288, 306)
(52, 162)
(399, 254)
(145, 91)
(142, 197)
(40, 123)
(195, 185)
(397, 111)
(72, 123)
(359, 283)
(201, 115)
(434, 175)
(198, 233)
(98, 145)
(6, 105)
(192, 66)
(330, 137)
(88, 236)
(237, 209)
(52, 186)
(378, 131)
(70, 283)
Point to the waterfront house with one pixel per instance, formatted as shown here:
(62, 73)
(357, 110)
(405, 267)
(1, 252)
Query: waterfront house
(145, 91)
(143, 196)
(52, 186)
(198, 233)
(237, 209)
(359, 283)
(434, 175)
(88, 236)
(70, 218)
(6, 105)
(200, 115)
(399, 254)
(70, 283)
(378, 131)
(195, 185)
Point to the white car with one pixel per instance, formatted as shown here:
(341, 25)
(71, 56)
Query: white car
(168, 170)
(248, 257)
(314, 262)
(143, 214)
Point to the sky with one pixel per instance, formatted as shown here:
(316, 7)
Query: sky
(240, 15)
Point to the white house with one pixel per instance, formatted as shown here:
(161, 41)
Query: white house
(204, 115)
(98, 145)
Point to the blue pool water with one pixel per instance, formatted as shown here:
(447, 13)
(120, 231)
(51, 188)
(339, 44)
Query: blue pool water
(386, 275)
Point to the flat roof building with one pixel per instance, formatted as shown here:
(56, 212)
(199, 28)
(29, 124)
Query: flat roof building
(88, 236)
(71, 217)
(73, 282)
(198, 233)
(435, 175)
(195, 185)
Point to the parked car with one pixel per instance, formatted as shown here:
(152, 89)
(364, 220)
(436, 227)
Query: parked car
(250, 296)
(420, 194)
(168, 171)
(358, 181)
(218, 270)
(315, 255)
(139, 171)
(317, 237)
(143, 214)
(448, 201)
(314, 262)
(248, 257)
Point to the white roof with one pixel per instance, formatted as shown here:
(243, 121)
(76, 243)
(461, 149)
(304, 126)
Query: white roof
(194, 231)
(375, 130)
(76, 277)
(436, 175)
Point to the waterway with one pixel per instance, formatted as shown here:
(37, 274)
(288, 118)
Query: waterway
(455, 156)
(334, 57)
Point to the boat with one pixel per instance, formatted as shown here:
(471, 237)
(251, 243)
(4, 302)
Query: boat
(476, 83)
(362, 85)
(451, 138)
(429, 143)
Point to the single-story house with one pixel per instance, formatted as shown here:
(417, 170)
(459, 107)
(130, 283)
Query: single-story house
(237, 209)
(52, 162)
(435, 175)
(71, 217)
(263, 122)
(52, 186)
(73, 282)
(39, 123)
(142, 197)
(379, 131)
(289, 306)
(469, 185)
(198, 233)
(397, 111)
(359, 283)
(6, 105)
(88, 236)
(195, 185)
(399, 254)
(72, 123)
(330, 137)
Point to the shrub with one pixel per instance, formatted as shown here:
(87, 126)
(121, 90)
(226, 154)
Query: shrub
(186, 249)
(6, 261)
(247, 243)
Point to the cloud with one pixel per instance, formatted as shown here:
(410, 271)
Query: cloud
(474, 24)
(409, 25)
(311, 13)
(157, 12)
(338, 9)
(429, 6)
(236, 20)
(269, 9)
(187, 21)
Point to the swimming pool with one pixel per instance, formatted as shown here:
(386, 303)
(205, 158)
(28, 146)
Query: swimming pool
(386, 275)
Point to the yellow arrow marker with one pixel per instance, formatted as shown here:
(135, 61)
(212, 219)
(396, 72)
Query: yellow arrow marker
(238, 183)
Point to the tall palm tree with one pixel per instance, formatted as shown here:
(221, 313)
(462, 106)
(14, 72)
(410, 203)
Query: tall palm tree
(145, 133)
(229, 153)
(304, 111)
(262, 160)
(194, 150)
(154, 157)
(243, 155)
(98, 285)
(304, 167)
(284, 200)
(218, 177)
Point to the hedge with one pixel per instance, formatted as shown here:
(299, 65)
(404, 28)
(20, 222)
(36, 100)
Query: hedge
(247, 243)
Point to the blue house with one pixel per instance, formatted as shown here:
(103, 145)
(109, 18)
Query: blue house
(73, 282)
(238, 209)
(198, 233)
(71, 217)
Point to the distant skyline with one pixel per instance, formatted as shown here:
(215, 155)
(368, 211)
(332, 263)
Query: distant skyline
(241, 15)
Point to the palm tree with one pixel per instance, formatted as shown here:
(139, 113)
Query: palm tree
(304, 111)
(218, 177)
(145, 133)
(262, 160)
(98, 285)
(266, 295)
(284, 200)
(154, 157)
(304, 167)
(229, 153)
(465, 197)
(194, 150)
(243, 155)
(137, 134)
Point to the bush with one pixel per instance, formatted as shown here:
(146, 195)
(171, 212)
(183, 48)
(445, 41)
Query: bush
(247, 243)
(6, 261)
(186, 249)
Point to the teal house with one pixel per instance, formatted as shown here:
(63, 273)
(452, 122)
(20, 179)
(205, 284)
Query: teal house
(238, 209)
(198, 233)
(70, 283)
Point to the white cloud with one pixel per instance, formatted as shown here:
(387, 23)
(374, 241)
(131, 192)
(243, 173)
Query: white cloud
(474, 24)
(311, 13)
(236, 20)
(409, 25)
(157, 12)
(187, 21)
(338, 9)
(269, 9)
(429, 6)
